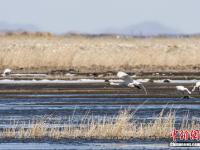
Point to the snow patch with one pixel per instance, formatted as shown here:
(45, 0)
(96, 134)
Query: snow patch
(7, 81)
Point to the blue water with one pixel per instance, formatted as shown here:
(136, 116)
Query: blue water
(87, 145)
(25, 107)
(58, 109)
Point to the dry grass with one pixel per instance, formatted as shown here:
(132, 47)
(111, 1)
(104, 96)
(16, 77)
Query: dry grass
(99, 53)
(123, 126)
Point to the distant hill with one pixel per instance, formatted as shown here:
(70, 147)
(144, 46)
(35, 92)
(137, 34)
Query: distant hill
(144, 29)
(9, 27)
(141, 29)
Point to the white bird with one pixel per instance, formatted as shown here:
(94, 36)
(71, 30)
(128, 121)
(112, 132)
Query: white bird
(128, 81)
(197, 85)
(6, 72)
(183, 91)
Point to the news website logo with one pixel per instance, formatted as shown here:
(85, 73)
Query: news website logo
(186, 138)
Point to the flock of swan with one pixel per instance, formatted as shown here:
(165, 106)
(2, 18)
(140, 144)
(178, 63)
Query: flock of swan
(128, 81)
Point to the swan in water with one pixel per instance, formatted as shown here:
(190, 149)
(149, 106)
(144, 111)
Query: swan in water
(128, 81)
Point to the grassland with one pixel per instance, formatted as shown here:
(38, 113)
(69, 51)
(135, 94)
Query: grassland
(122, 126)
(46, 52)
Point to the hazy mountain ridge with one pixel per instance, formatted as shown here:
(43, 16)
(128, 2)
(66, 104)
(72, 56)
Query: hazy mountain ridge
(144, 29)
(11, 27)
(141, 29)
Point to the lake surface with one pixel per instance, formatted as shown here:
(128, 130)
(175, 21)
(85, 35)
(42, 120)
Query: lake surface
(90, 145)
(58, 108)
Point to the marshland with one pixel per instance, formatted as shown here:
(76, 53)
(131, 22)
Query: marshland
(97, 54)
(101, 74)
(59, 93)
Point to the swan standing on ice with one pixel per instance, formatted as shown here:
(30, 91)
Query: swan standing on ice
(128, 81)
(6, 72)
(183, 91)
(197, 86)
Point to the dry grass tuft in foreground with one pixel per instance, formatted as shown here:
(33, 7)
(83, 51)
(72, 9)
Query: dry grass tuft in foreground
(123, 127)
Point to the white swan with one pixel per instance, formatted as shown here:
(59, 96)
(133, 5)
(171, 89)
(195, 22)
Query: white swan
(128, 81)
(197, 86)
(183, 91)
(6, 72)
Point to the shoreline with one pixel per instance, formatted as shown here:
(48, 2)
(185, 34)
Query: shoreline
(88, 90)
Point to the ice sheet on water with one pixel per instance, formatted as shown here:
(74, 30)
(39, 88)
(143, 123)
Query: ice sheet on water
(84, 146)
(140, 80)
(177, 81)
(8, 81)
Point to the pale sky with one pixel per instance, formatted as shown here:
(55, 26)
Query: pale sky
(93, 15)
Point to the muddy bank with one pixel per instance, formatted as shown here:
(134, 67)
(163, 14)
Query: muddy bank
(155, 90)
